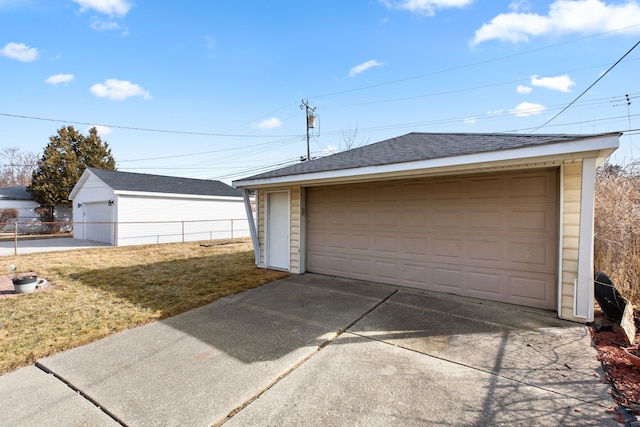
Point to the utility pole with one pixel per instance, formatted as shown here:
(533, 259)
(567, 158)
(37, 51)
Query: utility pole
(311, 122)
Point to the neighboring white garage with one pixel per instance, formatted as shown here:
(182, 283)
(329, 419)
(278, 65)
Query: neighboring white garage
(504, 217)
(122, 208)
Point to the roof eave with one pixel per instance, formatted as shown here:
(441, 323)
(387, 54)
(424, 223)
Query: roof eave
(175, 195)
(76, 188)
(600, 147)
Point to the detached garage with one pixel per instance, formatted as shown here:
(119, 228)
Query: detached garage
(503, 217)
(122, 208)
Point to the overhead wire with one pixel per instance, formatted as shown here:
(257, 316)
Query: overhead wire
(587, 89)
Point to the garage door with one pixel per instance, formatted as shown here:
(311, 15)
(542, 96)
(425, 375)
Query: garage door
(98, 222)
(491, 237)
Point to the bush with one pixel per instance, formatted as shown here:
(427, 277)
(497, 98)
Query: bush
(617, 227)
(8, 214)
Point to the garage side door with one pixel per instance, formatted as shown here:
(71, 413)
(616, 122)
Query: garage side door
(98, 222)
(491, 237)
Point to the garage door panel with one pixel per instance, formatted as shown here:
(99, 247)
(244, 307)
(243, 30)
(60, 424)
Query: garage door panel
(447, 219)
(412, 192)
(336, 241)
(360, 218)
(415, 275)
(487, 219)
(533, 187)
(414, 219)
(486, 251)
(447, 249)
(385, 245)
(359, 194)
(337, 195)
(360, 242)
(531, 256)
(487, 189)
(532, 290)
(492, 237)
(532, 218)
(386, 270)
(385, 193)
(412, 245)
(448, 279)
(484, 284)
(386, 218)
(447, 190)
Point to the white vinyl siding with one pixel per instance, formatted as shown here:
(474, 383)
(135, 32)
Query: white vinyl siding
(149, 220)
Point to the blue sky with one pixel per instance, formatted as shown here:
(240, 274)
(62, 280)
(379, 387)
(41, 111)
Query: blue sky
(213, 89)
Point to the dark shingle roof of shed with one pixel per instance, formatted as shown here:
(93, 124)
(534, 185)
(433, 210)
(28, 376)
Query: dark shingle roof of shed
(129, 181)
(18, 192)
(417, 146)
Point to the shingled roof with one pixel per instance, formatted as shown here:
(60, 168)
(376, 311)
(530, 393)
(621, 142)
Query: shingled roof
(18, 192)
(146, 183)
(417, 146)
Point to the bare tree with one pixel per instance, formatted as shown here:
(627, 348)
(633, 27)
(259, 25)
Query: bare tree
(349, 139)
(16, 167)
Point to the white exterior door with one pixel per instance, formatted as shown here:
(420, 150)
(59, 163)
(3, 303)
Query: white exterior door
(277, 250)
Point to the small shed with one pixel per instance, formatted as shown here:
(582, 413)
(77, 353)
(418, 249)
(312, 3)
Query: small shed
(124, 208)
(503, 217)
(19, 198)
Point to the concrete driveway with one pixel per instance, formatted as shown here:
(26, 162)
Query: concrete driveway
(317, 350)
(28, 246)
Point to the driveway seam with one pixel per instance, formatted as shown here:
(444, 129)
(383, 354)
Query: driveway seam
(320, 347)
(81, 393)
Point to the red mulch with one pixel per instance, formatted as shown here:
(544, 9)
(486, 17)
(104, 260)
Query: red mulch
(609, 341)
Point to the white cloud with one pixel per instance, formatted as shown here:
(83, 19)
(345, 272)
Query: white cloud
(102, 130)
(118, 90)
(100, 25)
(19, 51)
(329, 150)
(524, 89)
(426, 7)
(470, 120)
(562, 83)
(271, 123)
(495, 112)
(564, 17)
(59, 78)
(107, 7)
(526, 109)
(364, 67)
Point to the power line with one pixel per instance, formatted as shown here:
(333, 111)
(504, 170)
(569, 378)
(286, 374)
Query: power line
(474, 64)
(587, 89)
(179, 132)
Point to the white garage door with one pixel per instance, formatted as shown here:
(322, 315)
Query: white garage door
(491, 237)
(98, 222)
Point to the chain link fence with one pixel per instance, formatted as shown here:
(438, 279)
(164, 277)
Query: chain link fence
(125, 233)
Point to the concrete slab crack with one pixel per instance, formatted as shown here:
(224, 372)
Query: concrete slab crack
(81, 393)
(303, 361)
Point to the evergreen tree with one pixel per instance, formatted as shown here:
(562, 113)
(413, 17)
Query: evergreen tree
(64, 160)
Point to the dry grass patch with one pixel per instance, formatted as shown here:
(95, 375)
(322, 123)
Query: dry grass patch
(617, 227)
(98, 292)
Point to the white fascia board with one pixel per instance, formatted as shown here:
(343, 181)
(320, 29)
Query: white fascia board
(175, 195)
(600, 147)
(79, 184)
